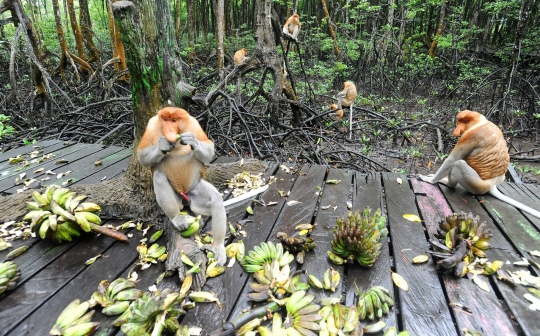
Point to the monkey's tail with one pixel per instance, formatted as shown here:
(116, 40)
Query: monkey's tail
(247, 195)
(496, 193)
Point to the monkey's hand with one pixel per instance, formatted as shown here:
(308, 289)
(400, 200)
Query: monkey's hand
(181, 223)
(203, 150)
(188, 138)
(219, 252)
(164, 145)
(427, 178)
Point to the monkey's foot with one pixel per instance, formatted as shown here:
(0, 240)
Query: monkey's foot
(219, 252)
(427, 178)
(181, 222)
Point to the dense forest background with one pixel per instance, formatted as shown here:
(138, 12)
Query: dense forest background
(415, 63)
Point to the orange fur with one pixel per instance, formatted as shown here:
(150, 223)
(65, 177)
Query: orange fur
(240, 57)
(339, 113)
(179, 166)
(291, 24)
(348, 94)
(484, 145)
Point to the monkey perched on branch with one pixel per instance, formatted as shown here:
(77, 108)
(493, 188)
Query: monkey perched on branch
(479, 160)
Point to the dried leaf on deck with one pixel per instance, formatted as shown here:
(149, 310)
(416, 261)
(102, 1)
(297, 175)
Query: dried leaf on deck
(290, 203)
(412, 218)
(535, 253)
(400, 281)
(399, 180)
(332, 181)
(420, 259)
(480, 283)
(92, 260)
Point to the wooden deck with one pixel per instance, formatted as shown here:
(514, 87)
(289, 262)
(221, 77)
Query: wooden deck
(54, 275)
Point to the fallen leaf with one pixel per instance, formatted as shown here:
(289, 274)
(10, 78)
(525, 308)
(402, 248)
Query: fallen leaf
(420, 259)
(412, 218)
(332, 181)
(271, 203)
(325, 207)
(400, 281)
(535, 253)
(152, 288)
(61, 161)
(349, 205)
(290, 203)
(231, 262)
(480, 283)
(249, 210)
(38, 170)
(97, 163)
(399, 180)
(92, 260)
(195, 331)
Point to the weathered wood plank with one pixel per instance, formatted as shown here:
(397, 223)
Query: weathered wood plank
(108, 173)
(523, 195)
(316, 261)
(86, 167)
(227, 286)
(369, 192)
(7, 169)
(8, 186)
(4, 156)
(423, 308)
(460, 290)
(460, 200)
(283, 217)
(67, 279)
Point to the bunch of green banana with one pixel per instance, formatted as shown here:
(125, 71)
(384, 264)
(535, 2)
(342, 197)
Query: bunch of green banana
(271, 279)
(460, 238)
(115, 297)
(457, 227)
(151, 255)
(194, 224)
(75, 320)
(236, 250)
(9, 275)
(374, 303)
(358, 237)
(337, 319)
(151, 314)
(266, 252)
(302, 314)
(59, 214)
(296, 244)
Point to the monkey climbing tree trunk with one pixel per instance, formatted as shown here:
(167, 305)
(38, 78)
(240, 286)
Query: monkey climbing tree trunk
(86, 30)
(116, 42)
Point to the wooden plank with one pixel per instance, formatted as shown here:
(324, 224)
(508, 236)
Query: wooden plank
(460, 290)
(369, 192)
(7, 185)
(4, 156)
(86, 167)
(65, 280)
(423, 308)
(524, 195)
(109, 173)
(281, 217)
(8, 169)
(316, 261)
(460, 200)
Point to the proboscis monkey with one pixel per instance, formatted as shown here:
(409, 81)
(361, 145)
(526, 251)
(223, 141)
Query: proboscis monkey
(292, 26)
(346, 98)
(479, 160)
(178, 167)
(339, 113)
(240, 57)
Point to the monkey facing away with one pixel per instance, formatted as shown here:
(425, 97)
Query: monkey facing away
(178, 168)
(346, 98)
(479, 160)
(240, 57)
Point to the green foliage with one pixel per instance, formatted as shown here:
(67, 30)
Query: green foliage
(5, 129)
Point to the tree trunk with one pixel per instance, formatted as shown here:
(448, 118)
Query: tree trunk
(117, 45)
(383, 42)
(76, 31)
(440, 28)
(19, 16)
(331, 28)
(86, 29)
(220, 27)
